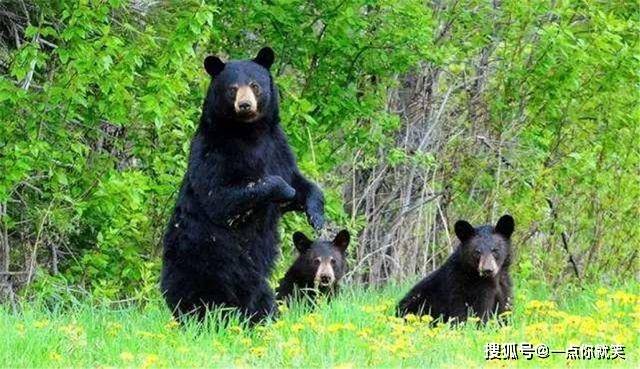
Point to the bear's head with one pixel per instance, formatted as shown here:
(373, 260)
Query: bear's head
(323, 261)
(486, 249)
(242, 91)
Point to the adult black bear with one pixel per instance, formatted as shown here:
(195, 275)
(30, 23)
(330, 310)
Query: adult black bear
(318, 268)
(474, 280)
(221, 241)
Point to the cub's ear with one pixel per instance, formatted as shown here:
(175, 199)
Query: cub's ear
(505, 226)
(342, 240)
(464, 230)
(265, 57)
(301, 242)
(213, 65)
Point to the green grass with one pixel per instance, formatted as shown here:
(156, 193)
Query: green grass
(354, 330)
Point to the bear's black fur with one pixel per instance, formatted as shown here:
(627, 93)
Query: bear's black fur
(318, 268)
(221, 241)
(473, 281)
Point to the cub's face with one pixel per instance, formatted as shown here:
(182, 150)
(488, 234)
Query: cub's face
(323, 261)
(485, 249)
(242, 88)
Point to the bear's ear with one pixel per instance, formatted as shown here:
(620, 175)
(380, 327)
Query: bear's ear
(301, 242)
(464, 230)
(213, 65)
(505, 226)
(342, 240)
(265, 57)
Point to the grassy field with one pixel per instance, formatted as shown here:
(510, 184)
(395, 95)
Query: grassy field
(353, 331)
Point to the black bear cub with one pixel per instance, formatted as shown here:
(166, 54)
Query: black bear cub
(473, 281)
(318, 268)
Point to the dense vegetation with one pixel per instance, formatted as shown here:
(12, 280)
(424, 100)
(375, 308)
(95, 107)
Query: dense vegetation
(410, 115)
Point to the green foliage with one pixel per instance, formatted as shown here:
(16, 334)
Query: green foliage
(95, 121)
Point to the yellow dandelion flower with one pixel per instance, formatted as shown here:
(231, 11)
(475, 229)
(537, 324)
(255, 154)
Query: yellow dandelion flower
(283, 308)
(150, 360)
(297, 327)
(258, 351)
(412, 318)
(364, 332)
(235, 329)
(349, 327)
(602, 291)
(113, 329)
(426, 318)
(333, 328)
(311, 319)
(126, 356)
(54, 356)
(172, 324)
(21, 329)
(41, 324)
(623, 298)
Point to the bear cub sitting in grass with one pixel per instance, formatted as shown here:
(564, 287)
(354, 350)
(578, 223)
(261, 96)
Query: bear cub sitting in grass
(473, 281)
(318, 269)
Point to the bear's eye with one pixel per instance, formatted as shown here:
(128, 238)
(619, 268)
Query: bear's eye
(316, 261)
(494, 250)
(476, 252)
(255, 87)
(333, 261)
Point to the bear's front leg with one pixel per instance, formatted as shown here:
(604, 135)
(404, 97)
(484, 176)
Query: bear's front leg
(309, 199)
(223, 203)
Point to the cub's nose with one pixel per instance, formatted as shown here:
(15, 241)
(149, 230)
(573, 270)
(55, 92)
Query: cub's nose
(486, 272)
(244, 106)
(325, 279)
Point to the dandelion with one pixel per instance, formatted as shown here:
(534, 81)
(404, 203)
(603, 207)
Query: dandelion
(113, 329)
(349, 327)
(297, 327)
(411, 318)
(235, 329)
(602, 291)
(258, 351)
(312, 319)
(624, 298)
(126, 356)
(150, 360)
(333, 328)
(364, 333)
(21, 329)
(537, 306)
(54, 356)
(41, 324)
(426, 318)
(172, 324)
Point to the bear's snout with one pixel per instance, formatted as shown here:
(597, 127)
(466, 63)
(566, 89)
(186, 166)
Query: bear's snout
(325, 276)
(245, 103)
(487, 267)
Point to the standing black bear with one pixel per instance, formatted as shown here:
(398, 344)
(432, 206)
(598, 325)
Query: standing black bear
(221, 241)
(474, 280)
(318, 268)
